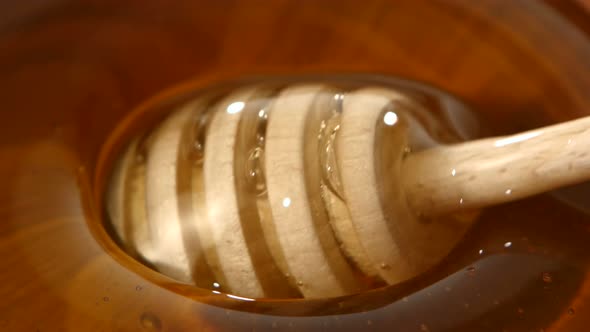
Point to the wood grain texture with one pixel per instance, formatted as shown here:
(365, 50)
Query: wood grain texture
(358, 151)
(71, 70)
(227, 233)
(496, 170)
(163, 211)
(302, 226)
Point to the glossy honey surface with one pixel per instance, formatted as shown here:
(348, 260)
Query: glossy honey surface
(72, 70)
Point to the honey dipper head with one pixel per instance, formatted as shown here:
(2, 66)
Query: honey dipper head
(276, 190)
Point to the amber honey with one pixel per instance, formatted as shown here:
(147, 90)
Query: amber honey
(72, 71)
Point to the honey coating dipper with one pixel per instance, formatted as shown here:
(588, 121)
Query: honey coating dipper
(306, 191)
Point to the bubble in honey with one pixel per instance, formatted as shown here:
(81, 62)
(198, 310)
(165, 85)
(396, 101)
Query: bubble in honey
(150, 322)
(255, 170)
(546, 277)
(328, 130)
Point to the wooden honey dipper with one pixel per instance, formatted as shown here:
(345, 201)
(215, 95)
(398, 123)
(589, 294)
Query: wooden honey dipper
(313, 230)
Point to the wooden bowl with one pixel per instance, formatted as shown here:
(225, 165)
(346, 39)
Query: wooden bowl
(71, 70)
